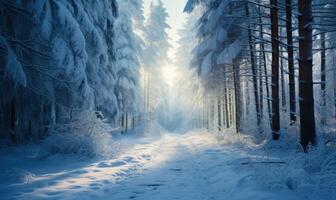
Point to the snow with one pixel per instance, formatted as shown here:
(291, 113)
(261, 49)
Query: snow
(206, 65)
(229, 53)
(194, 165)
(190, 5)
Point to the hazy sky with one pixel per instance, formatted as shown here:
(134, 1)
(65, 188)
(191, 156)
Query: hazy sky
(176, 18)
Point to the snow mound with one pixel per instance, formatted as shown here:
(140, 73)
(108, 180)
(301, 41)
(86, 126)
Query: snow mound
(87, 136)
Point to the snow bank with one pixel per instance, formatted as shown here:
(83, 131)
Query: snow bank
(282, 165)
(87, 136)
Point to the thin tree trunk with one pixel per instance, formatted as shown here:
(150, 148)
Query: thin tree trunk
(223, 109)
(291, 67)
(307, 116)
(261, 86)
(226, 108)
(247, 98)
(232, 114)
(219, 117)
(208, 114)
(212, 113)
(126, 122)
(254, 70)
(122, 124)
(323, 78)
(236, 80)
(283, 90)
(275, 70)
(265, 68)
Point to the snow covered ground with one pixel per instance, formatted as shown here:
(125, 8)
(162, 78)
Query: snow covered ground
(195, 166)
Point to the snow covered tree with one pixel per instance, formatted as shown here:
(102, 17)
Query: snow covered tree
(64, 57)
(156, 54)
(128, 49)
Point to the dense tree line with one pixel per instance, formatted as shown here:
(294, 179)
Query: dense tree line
(59, 58)
(257, 57)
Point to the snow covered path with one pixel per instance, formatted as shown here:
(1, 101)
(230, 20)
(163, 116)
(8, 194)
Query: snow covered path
(191, 166)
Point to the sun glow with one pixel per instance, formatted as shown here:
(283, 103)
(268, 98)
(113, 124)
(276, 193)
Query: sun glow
(170, 75)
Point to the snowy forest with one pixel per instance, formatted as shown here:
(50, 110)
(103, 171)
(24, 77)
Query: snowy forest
(168, 99)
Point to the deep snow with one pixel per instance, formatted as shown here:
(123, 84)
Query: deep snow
(195, 165)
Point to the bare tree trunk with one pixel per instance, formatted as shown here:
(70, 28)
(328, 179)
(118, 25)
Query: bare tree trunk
(236, 80)
(275, 70)
(291, 68)
(323, 78)
(226, 107)
(223, 109)
(247, 98)
(230, 107)
(265, 67)
(126, 122)
(254, 70)
(212, 119)
(307, 116)
(283, 89)
(219, 113)
(122, 124)
(208, 114)
(261, 86)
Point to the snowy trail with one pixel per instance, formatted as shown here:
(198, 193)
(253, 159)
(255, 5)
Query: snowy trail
(191, 166)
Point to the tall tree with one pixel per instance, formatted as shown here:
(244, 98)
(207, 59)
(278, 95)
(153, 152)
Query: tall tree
(307, 113)
(253, 67)
(275, 69)
(291, 67)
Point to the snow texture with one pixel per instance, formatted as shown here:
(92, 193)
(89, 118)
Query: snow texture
(195, 165)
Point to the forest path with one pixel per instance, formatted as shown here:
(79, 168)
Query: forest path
(190, 167)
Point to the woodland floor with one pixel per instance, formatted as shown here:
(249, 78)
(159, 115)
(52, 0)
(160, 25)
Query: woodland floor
(193, 166)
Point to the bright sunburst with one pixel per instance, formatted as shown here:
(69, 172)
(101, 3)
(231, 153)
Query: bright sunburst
(169, 73)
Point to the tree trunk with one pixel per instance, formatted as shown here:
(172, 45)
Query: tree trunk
(307, 116)
(275, 70)
(230, 107)
(122, 124)
(265, 68)
(247, 98)
(236, 80)
(291, 68)
(126, 123)
(254, 70)
(261, 85)
(283, 89)
(323, 78)
(227, 120)
(223, 109)
(219, 114)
